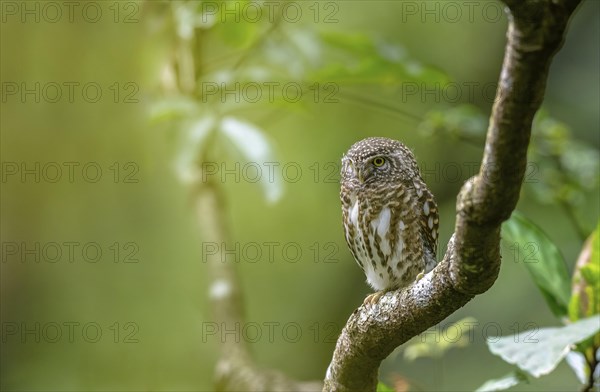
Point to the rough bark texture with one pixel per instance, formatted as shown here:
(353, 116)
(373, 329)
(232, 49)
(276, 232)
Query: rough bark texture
(472, 260)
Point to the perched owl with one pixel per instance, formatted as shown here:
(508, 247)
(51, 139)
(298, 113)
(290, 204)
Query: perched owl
(390, 216)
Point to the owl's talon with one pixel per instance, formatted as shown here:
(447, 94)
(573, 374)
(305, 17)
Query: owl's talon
(373, 298)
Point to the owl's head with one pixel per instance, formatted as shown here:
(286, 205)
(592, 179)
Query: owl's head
(378, 160)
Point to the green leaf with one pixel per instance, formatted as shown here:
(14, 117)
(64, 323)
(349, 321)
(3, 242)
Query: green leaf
(173, 108)
(567, 169)
(454, 336)
(352, 42)
(256, 148)
(381, 387)
(463, 122)
(196, 134)
(546, 264)
(500, 384)
(238, 30)
(585, 299)
(542, 350)
(189, 15)
(361, 59)
(578, 364)
(184, 15)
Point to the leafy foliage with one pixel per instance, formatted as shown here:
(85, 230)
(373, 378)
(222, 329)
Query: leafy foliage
(547, 267)
(545, 348)
(251, 142)
(569, 168)
(579, 341)
(193, 99)
(585, 303)
(381, 387)
(365, 60)
(500, 384)
(463, 122)
(562, 169)
(586, 280)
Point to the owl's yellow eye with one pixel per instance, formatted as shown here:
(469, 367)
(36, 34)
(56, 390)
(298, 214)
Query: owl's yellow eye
(378, 162)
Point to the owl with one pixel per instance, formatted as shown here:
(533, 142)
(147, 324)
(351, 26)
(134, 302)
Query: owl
(390, 216)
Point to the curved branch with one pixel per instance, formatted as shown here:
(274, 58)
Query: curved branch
(472, 261)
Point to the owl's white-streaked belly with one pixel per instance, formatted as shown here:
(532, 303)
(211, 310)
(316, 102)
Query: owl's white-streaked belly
(376, 270)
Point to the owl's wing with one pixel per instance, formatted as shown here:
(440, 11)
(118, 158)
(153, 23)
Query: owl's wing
(349, 229)
(429, 221)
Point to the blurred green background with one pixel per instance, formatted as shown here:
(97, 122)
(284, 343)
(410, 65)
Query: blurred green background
(151, 313)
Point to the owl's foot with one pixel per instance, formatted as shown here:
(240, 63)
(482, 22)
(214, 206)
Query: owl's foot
(373, 298)
(420, 276)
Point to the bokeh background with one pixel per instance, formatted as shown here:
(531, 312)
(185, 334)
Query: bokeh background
(147, 293)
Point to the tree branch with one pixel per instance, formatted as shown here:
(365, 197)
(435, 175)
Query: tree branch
(236, 369)
(472, 261)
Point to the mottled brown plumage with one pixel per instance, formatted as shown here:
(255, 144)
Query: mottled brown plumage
(390, 216)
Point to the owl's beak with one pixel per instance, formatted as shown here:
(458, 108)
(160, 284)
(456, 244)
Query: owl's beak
(352, 170)
(363, 173)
